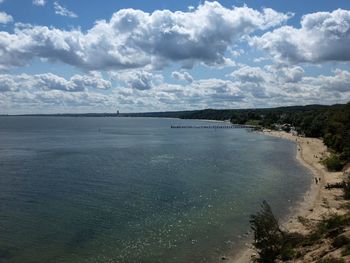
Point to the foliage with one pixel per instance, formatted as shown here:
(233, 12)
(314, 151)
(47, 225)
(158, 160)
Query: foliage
(333, 222)
(272, 243)
(346, 250)
(346, 187)
(331, 260)
(332, 123)
(340, 241)
(339, 185)
(268, 236)
(333, 163)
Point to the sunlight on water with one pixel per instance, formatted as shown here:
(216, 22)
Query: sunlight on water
(132, 190)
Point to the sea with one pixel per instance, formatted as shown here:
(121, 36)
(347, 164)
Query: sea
(86, 189)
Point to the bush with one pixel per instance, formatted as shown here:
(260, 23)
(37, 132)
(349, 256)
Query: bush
(268, 237)
(332, 226)
(340, 241)
(287, 253)
(331, 260)
(346, 250)
(334, 163)
(346, 187)
(272, 243)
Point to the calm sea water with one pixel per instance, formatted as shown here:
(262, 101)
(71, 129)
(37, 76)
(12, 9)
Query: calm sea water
(134, 190)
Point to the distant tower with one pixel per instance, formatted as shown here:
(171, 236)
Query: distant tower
(117, 112)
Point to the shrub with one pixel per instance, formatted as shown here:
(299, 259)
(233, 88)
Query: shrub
(333, 163)
(346, 187)
(332, 226)
(334, 186)
(346, 250)
(287, 253)
(331, 260)
(340, 241)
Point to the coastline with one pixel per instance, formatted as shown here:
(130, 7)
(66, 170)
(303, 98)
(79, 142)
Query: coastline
(317, 201)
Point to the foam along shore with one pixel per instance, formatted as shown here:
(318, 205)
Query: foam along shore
(317, 202)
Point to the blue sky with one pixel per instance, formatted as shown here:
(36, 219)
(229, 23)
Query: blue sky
(84, 56)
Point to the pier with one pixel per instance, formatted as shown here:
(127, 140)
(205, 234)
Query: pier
(233, 126)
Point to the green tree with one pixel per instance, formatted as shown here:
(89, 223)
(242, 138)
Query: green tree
(268, 237)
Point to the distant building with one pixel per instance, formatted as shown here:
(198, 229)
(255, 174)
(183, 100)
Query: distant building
(287, 128)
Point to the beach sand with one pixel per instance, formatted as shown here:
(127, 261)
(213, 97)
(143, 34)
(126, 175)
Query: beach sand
(318, 201)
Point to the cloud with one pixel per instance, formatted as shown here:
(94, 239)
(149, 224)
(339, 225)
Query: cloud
(340, 82)
(139, 79)
(190, 8)
(276, 85)
(323, 36)
(85, 81)
(183, 75)
(53, 101)
(7, 83)
(292, 74)
(5, 18)
(249, 74)
(39, 2)
(49, 81)
(61, 10)
(136, 39)
(23, 93)
(218, 90)
(252, 80)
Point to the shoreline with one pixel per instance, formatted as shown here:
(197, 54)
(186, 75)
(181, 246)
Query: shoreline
(317, 201)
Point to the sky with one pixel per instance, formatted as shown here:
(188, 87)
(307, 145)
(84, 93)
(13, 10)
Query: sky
(82, 56)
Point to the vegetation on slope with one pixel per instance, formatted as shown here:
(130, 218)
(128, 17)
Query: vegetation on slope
(332, 233)
(268, 237)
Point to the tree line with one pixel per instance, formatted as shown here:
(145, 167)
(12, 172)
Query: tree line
(332, 123)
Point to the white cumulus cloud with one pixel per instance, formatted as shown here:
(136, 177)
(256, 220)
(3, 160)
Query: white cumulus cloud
(182, 75)
(135, 39)
(288, 85)
(49, 81)
(23, 93)
(39, 2)
(249, 74)
(5, 18)
(139, 79)
(62, 11)
(323, 36)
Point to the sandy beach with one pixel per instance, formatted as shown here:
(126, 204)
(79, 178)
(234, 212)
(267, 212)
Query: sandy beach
(318, 201)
